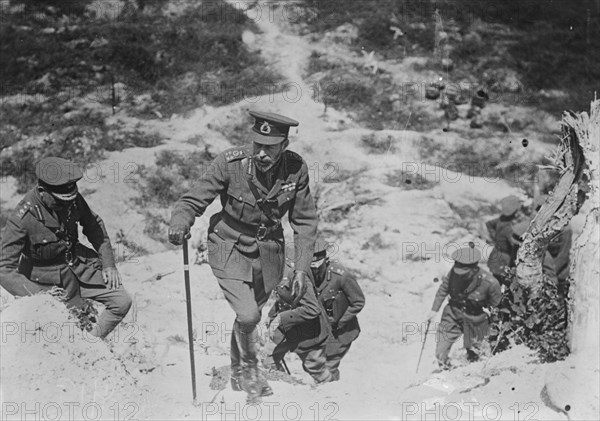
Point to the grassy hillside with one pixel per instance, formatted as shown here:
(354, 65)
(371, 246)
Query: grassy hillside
(552, 45)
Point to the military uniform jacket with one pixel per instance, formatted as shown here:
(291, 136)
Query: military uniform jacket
(36, 235)
(486, 294)
(559, 249)
(305, 327)
(501, 232)
(341, 286)
(228, 177)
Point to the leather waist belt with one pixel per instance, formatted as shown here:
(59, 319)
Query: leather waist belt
(260, 232)
(54, 262)
(470, 309)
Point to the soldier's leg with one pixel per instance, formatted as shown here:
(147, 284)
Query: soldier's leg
(335, 351)
(117, 303)
(246, 299)
(448, 332)
(476, 329)
(314, 363)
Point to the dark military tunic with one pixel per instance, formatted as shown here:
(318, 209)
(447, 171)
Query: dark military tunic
(464, 313)
(230, 249)
(40, 246)
(501, 231)
(305, 326)
(340, 294)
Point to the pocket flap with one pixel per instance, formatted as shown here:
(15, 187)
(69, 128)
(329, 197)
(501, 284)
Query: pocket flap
(43, 238)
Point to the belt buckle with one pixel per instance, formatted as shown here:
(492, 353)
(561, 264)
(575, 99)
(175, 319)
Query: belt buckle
(260, 234)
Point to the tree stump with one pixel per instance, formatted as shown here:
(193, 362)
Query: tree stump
(573, 385)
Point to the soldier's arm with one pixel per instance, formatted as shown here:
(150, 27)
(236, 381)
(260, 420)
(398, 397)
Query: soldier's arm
(491, 227)
(303, 220)
(356, 298)
(307, 309)
(95, 231)
(12, 243)
(441, 294)
(494, 292)
(193, 203)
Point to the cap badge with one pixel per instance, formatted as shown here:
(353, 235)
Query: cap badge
(265, 128)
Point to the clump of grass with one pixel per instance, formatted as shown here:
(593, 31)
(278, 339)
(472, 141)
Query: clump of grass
(407, 181)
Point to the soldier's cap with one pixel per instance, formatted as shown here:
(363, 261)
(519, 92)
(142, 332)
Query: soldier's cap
(465, 259)
(320, 250)
(283, 292)
(59, 176)
(520, 229)
(270, 128)
(509, 205)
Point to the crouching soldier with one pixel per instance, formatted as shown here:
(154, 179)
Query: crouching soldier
(39, 248)
(342, 298)
(471, 290)
(300, 328)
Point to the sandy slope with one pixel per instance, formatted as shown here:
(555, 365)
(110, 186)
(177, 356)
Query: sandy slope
(378, 376)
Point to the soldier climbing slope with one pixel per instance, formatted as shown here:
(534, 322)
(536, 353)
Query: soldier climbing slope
(257, 185)
(471, 290)
(301, 328)
(342, 299)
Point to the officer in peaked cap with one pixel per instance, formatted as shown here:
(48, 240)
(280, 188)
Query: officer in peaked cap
(342, 299)
(470, 290)
(301, 328)
(257, 185)
(500, 231)
(39, 248)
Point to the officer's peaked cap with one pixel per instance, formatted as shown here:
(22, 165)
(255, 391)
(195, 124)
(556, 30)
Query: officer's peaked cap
(465, 259)
(270, 128)
(56, 171)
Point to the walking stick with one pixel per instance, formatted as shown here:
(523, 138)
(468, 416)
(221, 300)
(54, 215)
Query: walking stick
(188, 301)
(423, 346)
(287, 370)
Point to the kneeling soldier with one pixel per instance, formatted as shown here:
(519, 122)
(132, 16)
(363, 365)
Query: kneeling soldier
(300, 328)
(39, 248)
(342, 298)
(470, 290)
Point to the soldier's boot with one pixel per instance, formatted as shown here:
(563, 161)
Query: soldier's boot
(237, 373)
(335, 375)
(247, 340)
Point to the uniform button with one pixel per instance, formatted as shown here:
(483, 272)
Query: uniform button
(216, 230)
(44, 241)
(240, 197)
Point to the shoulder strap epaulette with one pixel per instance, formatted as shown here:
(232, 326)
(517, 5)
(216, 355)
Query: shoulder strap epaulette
(235, 154)
(293, 155)
(337, 269)
(22, 208)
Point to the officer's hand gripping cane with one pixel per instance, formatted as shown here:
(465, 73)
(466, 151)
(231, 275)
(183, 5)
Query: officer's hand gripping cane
(188, 300)
(423, 346)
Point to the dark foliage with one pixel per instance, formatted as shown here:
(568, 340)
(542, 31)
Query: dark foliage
(539, 322)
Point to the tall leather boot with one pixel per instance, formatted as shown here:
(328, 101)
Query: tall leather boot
(236, 365)
(236, 368)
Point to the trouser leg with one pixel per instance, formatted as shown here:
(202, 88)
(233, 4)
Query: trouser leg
(314, 363)
(247, 300)
(476, 329)
(335, 351)
(449, 331)
(117, 303)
